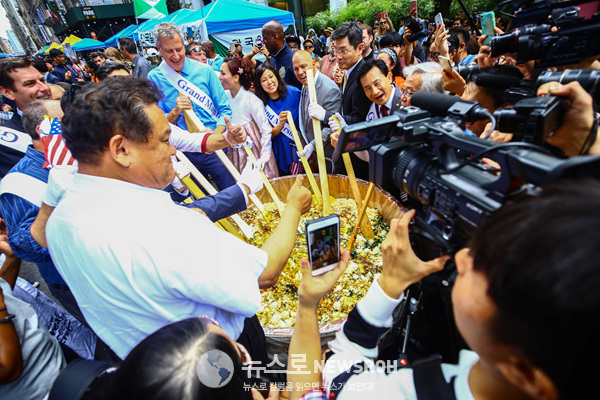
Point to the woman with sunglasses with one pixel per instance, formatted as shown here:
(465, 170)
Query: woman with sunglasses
(279, 98)
(190, 359)
(237, 78)
(309, 46)
(385, 26)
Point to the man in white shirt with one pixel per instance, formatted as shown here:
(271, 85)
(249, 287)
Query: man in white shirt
(134, 260)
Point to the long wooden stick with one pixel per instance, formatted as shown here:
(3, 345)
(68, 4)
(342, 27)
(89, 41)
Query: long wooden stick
(236, 175)
(268, 185)
(366, 227)
(361, 215)
(307, 170)
(198, 194)
(244, 227)
(312, 94)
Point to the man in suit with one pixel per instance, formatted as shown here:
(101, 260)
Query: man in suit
(349, 46)
(22, 84)
(376, 82)
(385, 97)
(329, 100)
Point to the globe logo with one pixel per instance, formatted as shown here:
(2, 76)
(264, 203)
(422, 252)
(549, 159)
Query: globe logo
(214, 369)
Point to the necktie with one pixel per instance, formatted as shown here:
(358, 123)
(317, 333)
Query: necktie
(384, 111)
(344, 83)
(305, 102)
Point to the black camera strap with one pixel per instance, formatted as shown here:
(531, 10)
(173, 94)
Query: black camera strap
(429, 380)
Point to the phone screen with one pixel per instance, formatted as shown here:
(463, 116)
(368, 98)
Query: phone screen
(323, 240)
(488, 23)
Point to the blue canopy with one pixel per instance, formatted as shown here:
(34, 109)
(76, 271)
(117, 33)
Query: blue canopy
(236, 15)
(174, 17)
(127, 32)
(2, 55)
(87, 44)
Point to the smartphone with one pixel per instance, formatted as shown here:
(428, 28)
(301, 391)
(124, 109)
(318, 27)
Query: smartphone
(439, 20)
(413, 9)
(445, 63)
(259, 42)
(379, 16)
(488, 23)
(323, 241)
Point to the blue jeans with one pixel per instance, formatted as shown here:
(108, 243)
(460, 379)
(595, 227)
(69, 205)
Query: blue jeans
(210, 164)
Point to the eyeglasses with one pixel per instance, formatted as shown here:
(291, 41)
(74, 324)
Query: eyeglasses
(342, 51)
(406, 93)
(308, 46)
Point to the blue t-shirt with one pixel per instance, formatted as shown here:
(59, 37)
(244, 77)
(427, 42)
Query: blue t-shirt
(283, 146)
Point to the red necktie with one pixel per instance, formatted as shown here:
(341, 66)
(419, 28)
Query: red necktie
(384, 111)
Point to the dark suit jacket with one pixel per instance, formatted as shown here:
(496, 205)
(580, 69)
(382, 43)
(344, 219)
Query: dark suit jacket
(226, 202)
(355, 107)
(330, 98)
(396, 102)
(9, 156)
(355, 104)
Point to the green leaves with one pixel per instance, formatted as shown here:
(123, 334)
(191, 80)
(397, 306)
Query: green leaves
(367, 10)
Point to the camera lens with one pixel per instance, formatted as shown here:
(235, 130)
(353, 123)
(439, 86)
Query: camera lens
(410, 169)
(503, 44)
(589, 79)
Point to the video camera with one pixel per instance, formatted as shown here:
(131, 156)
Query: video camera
(430, 164)
(426, 160)
(418, 27)
(553, 32)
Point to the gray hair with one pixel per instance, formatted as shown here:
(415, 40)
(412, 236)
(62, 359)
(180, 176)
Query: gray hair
(167, 30)
(432, 76)
(33, 115)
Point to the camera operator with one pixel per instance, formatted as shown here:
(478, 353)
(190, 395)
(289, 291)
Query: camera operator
(525, 301)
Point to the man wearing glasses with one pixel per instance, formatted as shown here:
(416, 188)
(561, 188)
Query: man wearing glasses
(426, 77)
(349, 46)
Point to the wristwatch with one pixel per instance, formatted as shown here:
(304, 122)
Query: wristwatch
(7, 319)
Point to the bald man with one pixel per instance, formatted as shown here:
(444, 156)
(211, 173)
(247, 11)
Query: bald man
(212, 58)
(329, 101)
(280, 54)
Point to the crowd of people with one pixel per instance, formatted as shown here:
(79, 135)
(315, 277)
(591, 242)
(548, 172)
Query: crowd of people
(92, 192)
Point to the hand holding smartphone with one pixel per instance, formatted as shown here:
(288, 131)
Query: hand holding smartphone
(488, 26)
(439, 20)
(413, 9)
(446, 64)
(323, 241)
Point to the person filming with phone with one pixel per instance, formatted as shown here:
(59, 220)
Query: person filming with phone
(525, 301)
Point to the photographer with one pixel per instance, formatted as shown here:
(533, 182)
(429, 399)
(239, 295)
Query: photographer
(525, 301)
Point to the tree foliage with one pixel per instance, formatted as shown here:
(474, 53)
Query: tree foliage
(367, 10)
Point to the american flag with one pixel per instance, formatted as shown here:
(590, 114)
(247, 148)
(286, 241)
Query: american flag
(55, 149)
(296, 164)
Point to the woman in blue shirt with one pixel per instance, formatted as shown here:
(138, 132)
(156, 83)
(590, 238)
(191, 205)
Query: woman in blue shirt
(279, 98)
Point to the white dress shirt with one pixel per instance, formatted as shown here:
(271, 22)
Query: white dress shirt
(135, 262)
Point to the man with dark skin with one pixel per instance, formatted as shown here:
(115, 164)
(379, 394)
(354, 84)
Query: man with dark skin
(281, 55)
(61, 69)
(213, 59)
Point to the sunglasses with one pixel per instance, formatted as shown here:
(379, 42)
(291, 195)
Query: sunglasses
(196, 49)
(308, 46)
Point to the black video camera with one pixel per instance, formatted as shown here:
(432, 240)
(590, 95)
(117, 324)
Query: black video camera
(430, 164)
(418, 27)
(553, 32)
